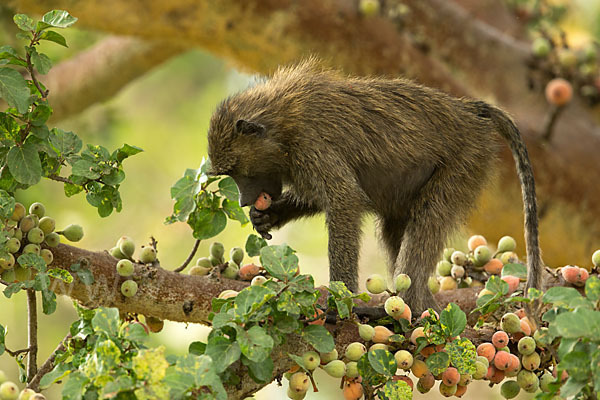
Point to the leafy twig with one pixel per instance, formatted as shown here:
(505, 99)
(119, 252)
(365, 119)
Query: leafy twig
(189, 258)
(31, 71)
(32, 339)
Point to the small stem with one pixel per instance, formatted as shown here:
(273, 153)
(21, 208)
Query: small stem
(189, 258)
(43, 93)
(16, 352)
(549, 122)
(59, 178)
(47, 366)
(32, 340)
(4, 282)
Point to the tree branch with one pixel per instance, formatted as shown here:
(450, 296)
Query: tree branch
(47, 366)
(32, 334)
(98, 73)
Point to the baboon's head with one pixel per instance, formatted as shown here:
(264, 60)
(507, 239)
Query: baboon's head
(240, 145)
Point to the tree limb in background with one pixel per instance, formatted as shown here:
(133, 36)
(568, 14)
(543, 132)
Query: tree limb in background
(98, 73)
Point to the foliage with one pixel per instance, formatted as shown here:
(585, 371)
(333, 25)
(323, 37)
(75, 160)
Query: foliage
(30, 149)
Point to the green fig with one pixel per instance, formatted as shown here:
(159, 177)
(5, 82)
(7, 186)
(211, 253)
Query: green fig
(376, 284)
(237, 255)
(37, 209)
(72, 233)
(335, 368)
(35, 235)
(13, 245)
(311, 360)
(126, 245)
(204, 262)
(47, 256)
(199, 271)
(129, 288)
(147, 254)
(47, 225)
(18, 213)
(217, 250)
(125, 267)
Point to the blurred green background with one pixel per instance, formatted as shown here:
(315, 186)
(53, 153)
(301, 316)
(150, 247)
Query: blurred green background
(166, 112)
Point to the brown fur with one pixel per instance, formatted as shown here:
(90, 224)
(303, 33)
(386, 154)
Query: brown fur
(414, 156)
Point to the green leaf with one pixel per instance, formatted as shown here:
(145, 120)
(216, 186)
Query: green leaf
(253, 245)
(24, 164)
(31, 260)
(65, 143)
(463, 355)
(454, 319)
(48, 298)
(234, 211)
(592, 288)
(518, 270)
(24, 22)
(207, 223)
(260, 372)
(577, 363)
(438, 362)
(7, 205)
(287, 304)
(197, 348)
(73, 388)
(12, 289)
(571, 387)
(13, 88)
(319, 337)
(255, 343)
(58, 373)
(106, 320)
(54, 37)
(496, 285)
(395, 390)
(86, 169)
(124, 152)
(41, 62)
(223, 352)
(58, 19)
(251, 299)
(366, 371)
(581, 323)
(59, 273)
(383, 362)
(561, 296)
(229, 189)
(279, 261)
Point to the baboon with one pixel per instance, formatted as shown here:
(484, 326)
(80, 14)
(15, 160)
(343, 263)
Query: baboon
(415, 157)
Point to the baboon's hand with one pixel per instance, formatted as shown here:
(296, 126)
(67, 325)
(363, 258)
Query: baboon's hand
(264, 221)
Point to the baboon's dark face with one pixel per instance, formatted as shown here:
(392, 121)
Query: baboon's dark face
(244, 151)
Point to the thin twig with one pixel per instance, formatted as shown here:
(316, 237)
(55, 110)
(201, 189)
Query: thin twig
(31, 71)
(4, 282)
(47, 366)
(32, 339)
(549, 122)
(59, 178)
(16, 352)
(187, 260)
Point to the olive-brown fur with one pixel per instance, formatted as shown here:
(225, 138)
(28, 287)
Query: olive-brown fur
(318, 141)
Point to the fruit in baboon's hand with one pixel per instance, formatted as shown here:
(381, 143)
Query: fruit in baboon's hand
(263, 201)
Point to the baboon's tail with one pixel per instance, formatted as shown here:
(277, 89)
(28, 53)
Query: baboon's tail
(507, 128)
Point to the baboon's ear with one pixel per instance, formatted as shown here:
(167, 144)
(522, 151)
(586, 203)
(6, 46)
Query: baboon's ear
(244, 127)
